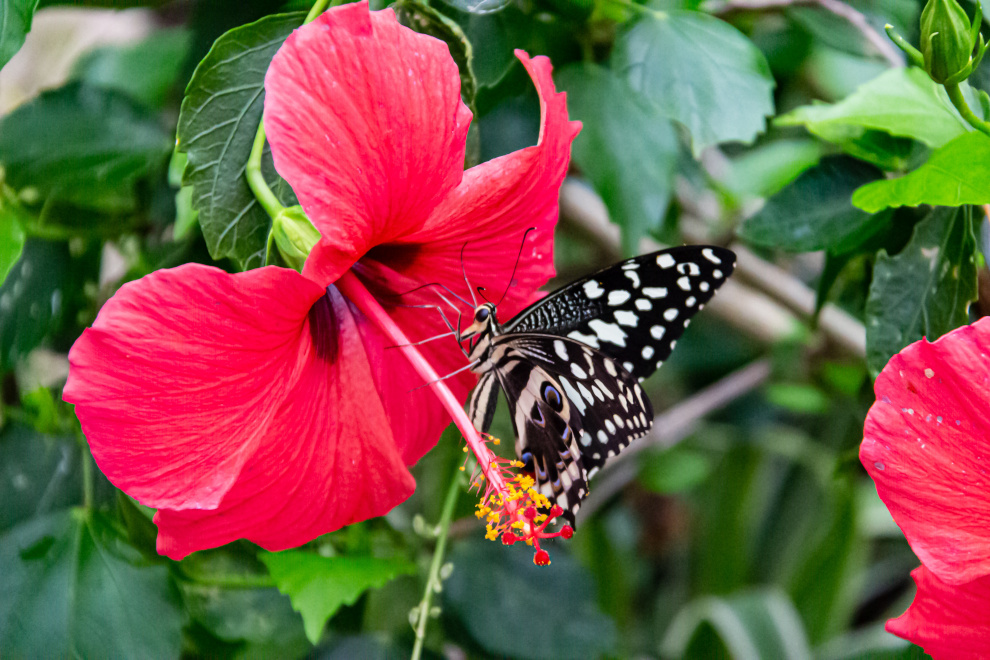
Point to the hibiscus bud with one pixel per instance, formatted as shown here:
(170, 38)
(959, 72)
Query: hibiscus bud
(947, 40)
(294, 236)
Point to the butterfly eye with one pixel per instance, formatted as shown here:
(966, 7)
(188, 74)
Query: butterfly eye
(552, 396)
(481, 315)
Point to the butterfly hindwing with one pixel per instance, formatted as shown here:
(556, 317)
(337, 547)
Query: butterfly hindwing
(634, 311)
(573, 409)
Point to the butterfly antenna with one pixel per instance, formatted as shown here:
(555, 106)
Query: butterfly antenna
(518, 256)
(437, 284)
(464, 273)
(481, 290)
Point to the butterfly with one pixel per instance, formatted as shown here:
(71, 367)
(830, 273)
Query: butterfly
(571, 364)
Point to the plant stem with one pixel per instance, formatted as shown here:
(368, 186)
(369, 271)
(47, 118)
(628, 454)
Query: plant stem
(256, 180)
(433, 578)
(958, 100)
(252, 171)
(87, 470)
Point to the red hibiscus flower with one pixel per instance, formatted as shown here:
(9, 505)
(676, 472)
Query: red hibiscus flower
(927, 447)
(264, 405)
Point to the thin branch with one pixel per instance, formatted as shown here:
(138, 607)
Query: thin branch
(753, 308)
(855, 18)
(671, 427)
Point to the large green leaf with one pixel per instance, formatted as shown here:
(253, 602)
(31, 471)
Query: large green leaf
(217, 125)
(318, 586)
(38, 474)
(924, 291)
(12, 236)
(956, 174)
(516, 609)
(15, 23)
(82, 144)
(627, 149)
(748, 625)
(145, 71)
(814, 212)
(901, 102)
(72, 588)
(700, 71)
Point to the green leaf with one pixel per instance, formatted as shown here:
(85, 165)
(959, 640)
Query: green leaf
(38, 474)
(12, 238)
(479, 6)
(145, 71)
(627, 149)
(956, 174)
(902, 102)
(798, 398)
(765, 169)
(15, 23)
(514, 608)
(924, 291)
(83, 145)
(217, 125)
(754, 624)
(675, 470)
(33, 298)
(813, 212)
(72, 588)
(700, 71)
(318, 586)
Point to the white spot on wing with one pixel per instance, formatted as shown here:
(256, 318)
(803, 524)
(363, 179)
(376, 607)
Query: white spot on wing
(658, 331)
(684, 283)
(610, 368)
(655, 291)
(560, 348)
(573, 396)
(647, 352)
(609, 332)
(578, 371)
(633, 277)
(670, 314)
(618, 297)
(665, 261)
(593, 289)
(626, 318)
(590, 340)
(610, 426)
(707, 253)
(643, 305)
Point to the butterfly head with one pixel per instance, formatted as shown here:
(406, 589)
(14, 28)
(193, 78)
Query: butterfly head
(485, 322)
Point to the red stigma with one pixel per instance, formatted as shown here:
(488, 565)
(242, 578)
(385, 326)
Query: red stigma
(566, 531)
(541, 558)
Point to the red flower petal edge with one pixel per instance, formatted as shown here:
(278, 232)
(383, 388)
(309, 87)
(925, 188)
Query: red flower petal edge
(209, 396)
(948, 621)
(927, 447)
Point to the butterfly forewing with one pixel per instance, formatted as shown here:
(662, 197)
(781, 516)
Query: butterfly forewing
(634, 311)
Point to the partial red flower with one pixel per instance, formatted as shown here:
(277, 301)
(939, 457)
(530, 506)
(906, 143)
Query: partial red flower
(265, 405)
(949, 621)
(927, 447)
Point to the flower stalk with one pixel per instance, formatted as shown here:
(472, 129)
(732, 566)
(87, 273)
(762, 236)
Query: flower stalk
(433, 578)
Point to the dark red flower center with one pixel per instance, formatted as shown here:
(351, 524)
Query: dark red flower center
(323, 327)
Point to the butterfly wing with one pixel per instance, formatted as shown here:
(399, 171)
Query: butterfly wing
(634, 311)
(573, 409)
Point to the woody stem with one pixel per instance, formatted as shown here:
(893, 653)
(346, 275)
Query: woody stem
(352, 288)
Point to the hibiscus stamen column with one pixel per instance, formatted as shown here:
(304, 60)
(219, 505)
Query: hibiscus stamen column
(352, 288)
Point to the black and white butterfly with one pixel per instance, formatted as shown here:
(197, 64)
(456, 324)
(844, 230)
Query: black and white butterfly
(570, 364)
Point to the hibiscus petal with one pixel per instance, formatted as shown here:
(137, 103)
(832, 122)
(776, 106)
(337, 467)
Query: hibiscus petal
(476, 231)
(367, 125)
(180, 374)
(927, 447)
(326, 460)
(948, 621)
